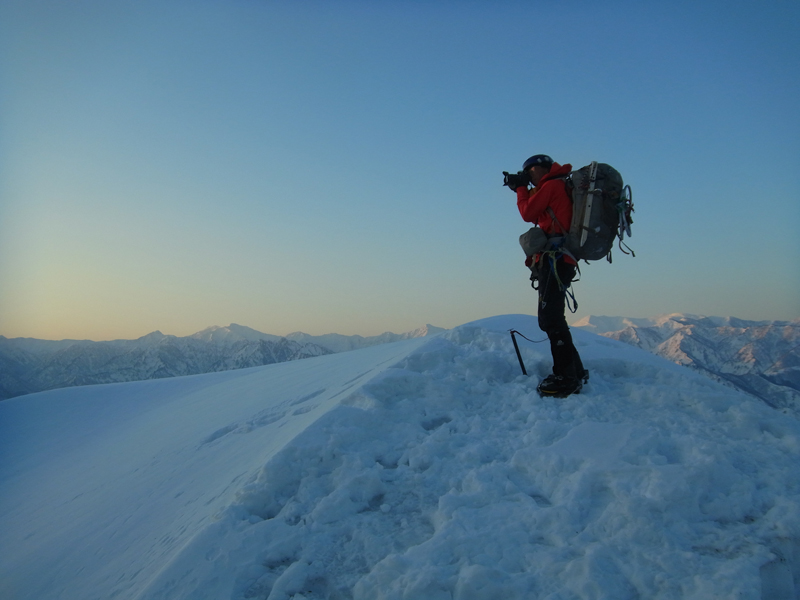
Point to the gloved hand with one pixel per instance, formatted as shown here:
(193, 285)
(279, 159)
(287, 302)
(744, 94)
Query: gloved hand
(515, 180)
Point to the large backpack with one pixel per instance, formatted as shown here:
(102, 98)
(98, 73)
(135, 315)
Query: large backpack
(601, 212)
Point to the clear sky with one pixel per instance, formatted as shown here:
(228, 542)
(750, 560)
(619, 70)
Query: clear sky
(336, 166)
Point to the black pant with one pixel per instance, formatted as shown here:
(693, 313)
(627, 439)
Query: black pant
(552, 320)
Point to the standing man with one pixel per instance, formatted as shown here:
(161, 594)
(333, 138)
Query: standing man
(549, 206)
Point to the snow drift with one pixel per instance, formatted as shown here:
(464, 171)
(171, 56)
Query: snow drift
(424, 469)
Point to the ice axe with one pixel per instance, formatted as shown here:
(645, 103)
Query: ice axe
(516, 347)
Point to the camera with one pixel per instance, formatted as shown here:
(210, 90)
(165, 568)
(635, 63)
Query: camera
(515, 180)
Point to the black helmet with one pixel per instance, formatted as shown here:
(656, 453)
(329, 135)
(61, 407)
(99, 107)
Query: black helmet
(541, 160)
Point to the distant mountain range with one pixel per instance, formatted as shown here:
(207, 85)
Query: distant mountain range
(30, 365)
(761, 358)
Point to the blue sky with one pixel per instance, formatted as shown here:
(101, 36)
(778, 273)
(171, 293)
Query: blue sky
(335, 166)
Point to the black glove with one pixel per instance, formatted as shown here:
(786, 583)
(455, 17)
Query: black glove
(515, 180)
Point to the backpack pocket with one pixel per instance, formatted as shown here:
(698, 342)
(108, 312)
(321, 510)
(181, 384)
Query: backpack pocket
(533, 241)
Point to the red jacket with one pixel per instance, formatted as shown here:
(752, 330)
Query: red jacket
(550, 193)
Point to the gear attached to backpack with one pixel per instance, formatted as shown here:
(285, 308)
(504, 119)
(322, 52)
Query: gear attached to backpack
(601, 212)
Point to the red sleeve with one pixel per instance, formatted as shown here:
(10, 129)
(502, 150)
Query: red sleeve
(532, 204)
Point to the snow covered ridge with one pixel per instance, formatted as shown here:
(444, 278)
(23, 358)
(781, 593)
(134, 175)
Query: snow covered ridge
(761, 358)
(426, 469)
(30, 365)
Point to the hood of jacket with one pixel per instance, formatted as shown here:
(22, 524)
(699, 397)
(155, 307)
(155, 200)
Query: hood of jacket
(556, 170)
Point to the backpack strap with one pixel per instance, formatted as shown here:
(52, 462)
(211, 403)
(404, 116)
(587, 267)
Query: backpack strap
(556, 221)
(567, 179)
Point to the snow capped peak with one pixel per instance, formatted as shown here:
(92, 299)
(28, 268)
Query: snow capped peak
(426, 330)
(600, 324)
(756, 357)
(155, 336)
(231, 334)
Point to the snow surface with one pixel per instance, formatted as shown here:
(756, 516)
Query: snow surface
(425, 469)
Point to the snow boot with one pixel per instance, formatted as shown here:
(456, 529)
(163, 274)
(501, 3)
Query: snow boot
(559, 387)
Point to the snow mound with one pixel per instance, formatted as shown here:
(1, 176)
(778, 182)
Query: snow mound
(433, 471)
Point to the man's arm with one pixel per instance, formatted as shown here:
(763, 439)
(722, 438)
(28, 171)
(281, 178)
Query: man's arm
(532, 204)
